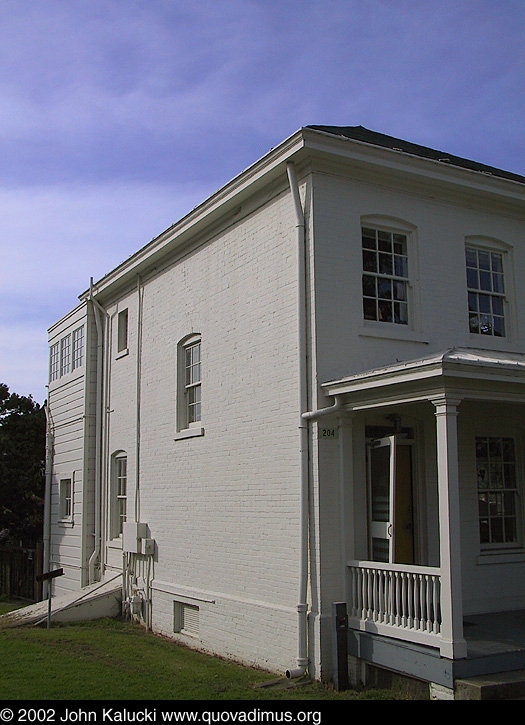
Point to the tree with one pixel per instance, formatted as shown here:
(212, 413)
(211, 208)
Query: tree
(22, 464)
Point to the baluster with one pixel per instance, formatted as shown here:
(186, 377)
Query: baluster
(409, 611)
(397, 619)
(421, 602)
(429, 624)
(382, 596)
(437, 596)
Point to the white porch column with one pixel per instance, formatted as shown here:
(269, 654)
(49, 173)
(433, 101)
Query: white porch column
(453, 645)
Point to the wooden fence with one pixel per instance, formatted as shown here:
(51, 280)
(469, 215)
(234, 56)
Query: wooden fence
(19, 568)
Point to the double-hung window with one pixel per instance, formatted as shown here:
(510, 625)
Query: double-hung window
(192, 382)
(66, 499)
(67, 354)
(78, 347)
(120, 494)
(385, 275)
(486, 292)
(189, 384)
(497, 485)
(54, 362)
(121, 480)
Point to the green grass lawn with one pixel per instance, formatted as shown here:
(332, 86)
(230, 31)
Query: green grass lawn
(111, 659)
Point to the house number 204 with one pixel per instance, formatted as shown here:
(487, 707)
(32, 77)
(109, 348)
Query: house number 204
(329, 433)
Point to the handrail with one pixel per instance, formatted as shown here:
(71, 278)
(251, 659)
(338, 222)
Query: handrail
(408, 568)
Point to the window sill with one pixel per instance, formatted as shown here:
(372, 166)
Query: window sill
(487, 342)
(503, 557)
(115, 543)
(66, 523)
(189, 433)
(392, 331)
(122, 353)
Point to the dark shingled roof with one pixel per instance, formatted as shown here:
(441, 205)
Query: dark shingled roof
(359, 133)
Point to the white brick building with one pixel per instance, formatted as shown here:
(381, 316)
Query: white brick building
(344, 272)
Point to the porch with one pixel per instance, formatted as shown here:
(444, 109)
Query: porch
(495, 644)
(404, 614)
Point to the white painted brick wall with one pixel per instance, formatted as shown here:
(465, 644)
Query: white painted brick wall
(223, 508)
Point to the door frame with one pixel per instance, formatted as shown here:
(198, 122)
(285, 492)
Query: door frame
(388, 529)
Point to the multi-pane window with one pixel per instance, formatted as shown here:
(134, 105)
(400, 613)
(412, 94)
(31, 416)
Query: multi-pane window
(66, 498)
(192, 382)
(67, 354)
(486, 292)
(121, 486)
(78, 347)
(54, 361)
(385, 275)
(496, 470)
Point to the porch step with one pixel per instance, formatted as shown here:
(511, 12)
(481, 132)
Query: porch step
(500, 686)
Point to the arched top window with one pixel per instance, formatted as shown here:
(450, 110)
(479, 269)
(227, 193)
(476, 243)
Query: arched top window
(189, 382)
(119, 493)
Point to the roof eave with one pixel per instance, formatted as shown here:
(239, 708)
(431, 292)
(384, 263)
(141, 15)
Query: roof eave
(223, 202)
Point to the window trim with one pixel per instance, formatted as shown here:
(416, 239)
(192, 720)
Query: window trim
(123, 332)
(66, 498)
(374, 328)
(116, 520)
(512, 548)
(185, 428)
(67, 354)
(491, 244)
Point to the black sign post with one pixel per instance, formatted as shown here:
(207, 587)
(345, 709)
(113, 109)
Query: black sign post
(44, 578)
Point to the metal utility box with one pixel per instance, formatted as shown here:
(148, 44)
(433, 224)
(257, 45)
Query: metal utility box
(132, 535)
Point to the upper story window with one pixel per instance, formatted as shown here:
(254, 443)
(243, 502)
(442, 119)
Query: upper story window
(78, 347)
(122, 331)
(189, 383)
(67, 354)
(385, 275)
(54, 361)
(486, 291)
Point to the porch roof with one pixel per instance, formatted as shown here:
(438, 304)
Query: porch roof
(462, 373)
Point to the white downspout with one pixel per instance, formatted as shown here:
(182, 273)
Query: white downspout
(47, 498)
(304, 417)
(302, 605)
(98, 312)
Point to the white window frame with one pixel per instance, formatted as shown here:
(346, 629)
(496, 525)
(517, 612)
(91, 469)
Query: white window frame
(507, 297)
(54, 361)
(385, 269)
(65, 495)
(189, 387)
(78, 347)
(394, 330)
(65, 355)
(122, 332)
(119, 496)
(494, 491)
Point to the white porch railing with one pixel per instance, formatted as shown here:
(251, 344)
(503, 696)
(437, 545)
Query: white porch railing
(396, 600)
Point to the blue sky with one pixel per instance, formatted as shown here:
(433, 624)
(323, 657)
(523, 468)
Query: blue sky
(118, 116)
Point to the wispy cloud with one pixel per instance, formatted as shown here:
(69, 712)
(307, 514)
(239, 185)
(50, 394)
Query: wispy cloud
(118, 117)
